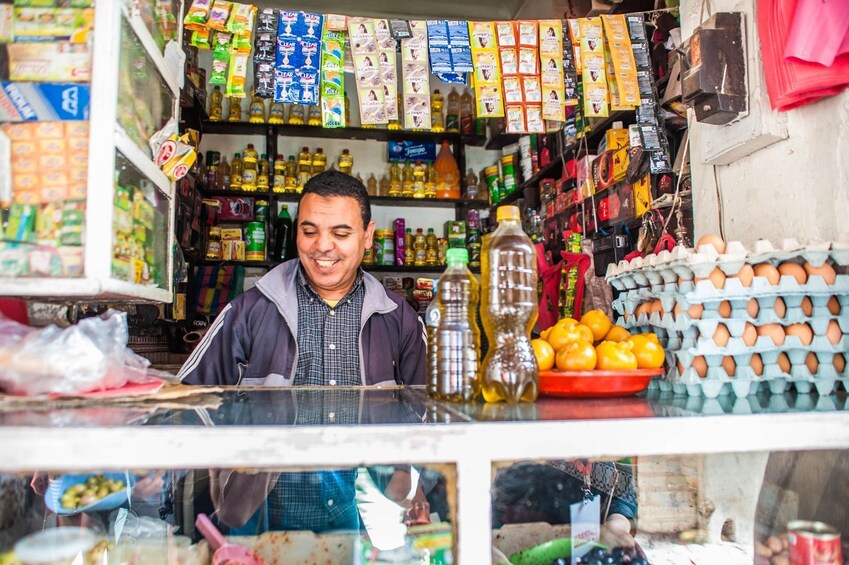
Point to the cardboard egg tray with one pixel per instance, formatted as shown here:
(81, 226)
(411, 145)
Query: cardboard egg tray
(669, 278)
(686, 264)
(730, 404)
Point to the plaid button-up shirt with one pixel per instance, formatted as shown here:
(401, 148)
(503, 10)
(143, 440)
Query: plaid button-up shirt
(328, 354)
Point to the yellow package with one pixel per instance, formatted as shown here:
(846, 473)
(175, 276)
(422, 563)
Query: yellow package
(622, 58)
(642, 196)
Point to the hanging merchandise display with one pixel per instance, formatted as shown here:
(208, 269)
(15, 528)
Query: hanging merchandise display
(296, 65)
(593, 74)
(388, 68)
(367, 71)
(487, 76)
(570, 72)
(332, 78)
(551, 57)
(416, 73)
(449, 48)
(622, 58)
(264, 52)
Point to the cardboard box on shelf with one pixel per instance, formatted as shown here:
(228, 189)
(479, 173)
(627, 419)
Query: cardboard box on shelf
(49, 62)
(43, 101)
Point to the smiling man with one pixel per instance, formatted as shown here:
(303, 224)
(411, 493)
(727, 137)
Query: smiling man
(318, 320)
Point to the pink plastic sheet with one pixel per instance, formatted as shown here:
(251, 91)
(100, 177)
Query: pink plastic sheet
(819, 31)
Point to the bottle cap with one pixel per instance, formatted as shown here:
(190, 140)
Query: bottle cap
(457, 255)
(507, 213)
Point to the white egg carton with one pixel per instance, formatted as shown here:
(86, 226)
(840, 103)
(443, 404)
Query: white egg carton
(687, 264)
(728, 404)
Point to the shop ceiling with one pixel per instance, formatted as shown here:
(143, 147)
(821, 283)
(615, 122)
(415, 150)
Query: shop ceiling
(442, 9)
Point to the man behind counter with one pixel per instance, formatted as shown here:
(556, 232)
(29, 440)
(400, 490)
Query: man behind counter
(318, 320)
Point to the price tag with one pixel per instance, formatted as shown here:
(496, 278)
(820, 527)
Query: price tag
(584, 519)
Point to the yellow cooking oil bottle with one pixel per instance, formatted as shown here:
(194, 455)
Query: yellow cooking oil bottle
(509, 311)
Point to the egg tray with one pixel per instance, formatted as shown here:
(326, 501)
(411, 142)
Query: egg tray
(687, 264)
(764, 402)
(688, 293)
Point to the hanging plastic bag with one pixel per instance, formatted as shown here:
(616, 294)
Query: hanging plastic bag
(598, 295)
(553, 279)
(91, 355)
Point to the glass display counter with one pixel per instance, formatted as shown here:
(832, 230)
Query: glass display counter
(392, 476)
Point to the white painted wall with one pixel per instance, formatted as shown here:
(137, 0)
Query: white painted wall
(797, 187)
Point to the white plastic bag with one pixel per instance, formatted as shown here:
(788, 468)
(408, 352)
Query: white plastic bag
(91, 355)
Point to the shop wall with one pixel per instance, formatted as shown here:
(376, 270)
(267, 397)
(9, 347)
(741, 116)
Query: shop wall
(796, 187)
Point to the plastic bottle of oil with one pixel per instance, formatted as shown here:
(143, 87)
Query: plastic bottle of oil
(395, 182)
(407, 180)
(277, 113)
(235, 112)
(467, 113)
(419, 175)
(314, 116)
(278, 184)
(262, 179)
(509, 311)
(409, 251)
(346, 162)
(216, 100)
(291, 177)
(236, 172)
(383, 186)
(249, 168)
(296, 115)
(256, 111)
(304, 167)
(371, 185)
(457, 348)
(431, 180)
(452, 113)
(431, 249)
(223, 175)
(420, 249)
(437, 120)
(319, 161)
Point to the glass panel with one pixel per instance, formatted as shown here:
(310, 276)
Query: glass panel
(44, 214)
(724, 508)
(361, 514)
(160, 18)
(145, 103)
(140, 226)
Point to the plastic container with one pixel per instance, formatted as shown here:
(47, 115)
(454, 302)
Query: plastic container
(283, 234)
(431, 318)
(255, 241)
(56, 546)
(346, 162)
(319, 161)
(431, 249)
(509, 311)
(384, 248)
(457, 348)
(215, 105)
(491, 174)
(236, 172)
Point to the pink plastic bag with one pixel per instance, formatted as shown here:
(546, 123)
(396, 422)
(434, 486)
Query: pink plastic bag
(819, 32)
(793, 83)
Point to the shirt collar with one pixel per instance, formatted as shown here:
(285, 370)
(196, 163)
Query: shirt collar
(305, 284)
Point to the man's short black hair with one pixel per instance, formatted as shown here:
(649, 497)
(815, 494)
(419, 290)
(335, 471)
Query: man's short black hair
(335, 183)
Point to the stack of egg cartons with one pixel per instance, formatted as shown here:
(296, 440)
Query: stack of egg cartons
(733, 320)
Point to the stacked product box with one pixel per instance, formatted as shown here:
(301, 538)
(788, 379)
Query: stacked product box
(418, 292)
(731, 322)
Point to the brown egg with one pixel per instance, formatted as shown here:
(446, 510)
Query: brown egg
(784, 363)
(768, 271)
(833, 333)
(625, 315)
(826, 271)
(757, 364)
(745, 274)
(839, 362)
(695, 310)
(729, 365)
(644, 308)
(807, 306)
(812, 363)
(795, 270)
(780, 307)
(717, 277)
(725, 309)
(750, 334)
(834, 306)
(656, 306)
(721, 335)
(774, 332)
(752, 308)
(700, 366)
(712, 239)
(680, 368)
(802, 331)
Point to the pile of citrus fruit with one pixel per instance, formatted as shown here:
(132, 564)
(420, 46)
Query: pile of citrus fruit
(595, 343)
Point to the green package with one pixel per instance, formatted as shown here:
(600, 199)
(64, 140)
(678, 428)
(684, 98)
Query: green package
(332, 86)
(220, 57)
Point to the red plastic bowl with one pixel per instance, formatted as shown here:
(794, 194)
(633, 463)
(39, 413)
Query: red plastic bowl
(595, 384)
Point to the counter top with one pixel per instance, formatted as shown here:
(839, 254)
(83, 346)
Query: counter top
(339, 426)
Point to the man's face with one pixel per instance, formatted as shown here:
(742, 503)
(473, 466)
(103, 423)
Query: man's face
(331, 242)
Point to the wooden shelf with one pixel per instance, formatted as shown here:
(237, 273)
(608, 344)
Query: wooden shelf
(427, 202)
(281, 196)
(378, 134)
(408, 269)
(502, 140)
